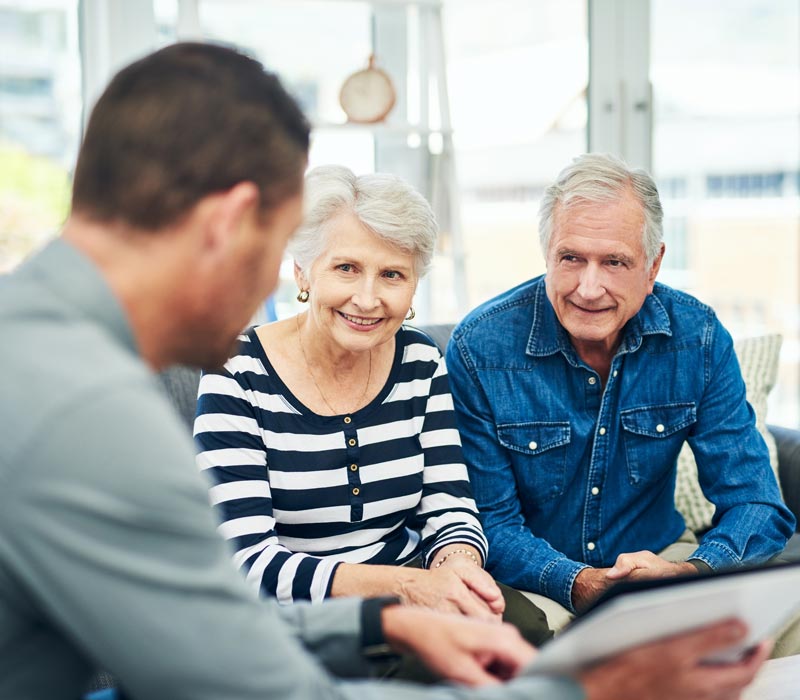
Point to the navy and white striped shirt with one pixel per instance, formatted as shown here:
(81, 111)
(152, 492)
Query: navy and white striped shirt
(300, 493)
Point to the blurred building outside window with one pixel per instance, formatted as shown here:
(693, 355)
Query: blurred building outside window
(40, 114)
(727, 127)
(518, 74)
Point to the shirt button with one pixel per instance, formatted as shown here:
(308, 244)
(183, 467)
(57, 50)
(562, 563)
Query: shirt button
(532, 445)
(353, 467)
(615, 373)
(348, 419)
(590, 546)
(595, 490)
(356, 491)
(659, 428)
(592, 381)
(602, 431)
(352, 442)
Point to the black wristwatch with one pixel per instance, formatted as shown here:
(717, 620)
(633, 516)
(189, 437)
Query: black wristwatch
(373, 643)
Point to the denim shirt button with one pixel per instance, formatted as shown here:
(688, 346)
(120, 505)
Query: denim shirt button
(592, 380)
(590, 546)
(615, 373)
(532, 445)
(602, 431)
(595, 490)
(659, 428)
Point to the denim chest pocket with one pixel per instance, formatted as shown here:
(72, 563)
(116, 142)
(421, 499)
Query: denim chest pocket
(653, 436)
(539, 455)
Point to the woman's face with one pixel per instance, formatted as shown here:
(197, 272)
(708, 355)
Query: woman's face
(360, 287)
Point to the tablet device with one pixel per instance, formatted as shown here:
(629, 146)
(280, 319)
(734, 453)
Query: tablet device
(634, 613)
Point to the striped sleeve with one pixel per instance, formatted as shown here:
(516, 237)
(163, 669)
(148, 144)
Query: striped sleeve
(447, 513)
(231, 453)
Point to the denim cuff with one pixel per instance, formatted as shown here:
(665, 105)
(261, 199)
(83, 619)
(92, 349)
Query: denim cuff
(716, 555)
(557, 579)
(701, 566)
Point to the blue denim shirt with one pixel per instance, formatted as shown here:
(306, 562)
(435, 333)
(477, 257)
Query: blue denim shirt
(569, 473)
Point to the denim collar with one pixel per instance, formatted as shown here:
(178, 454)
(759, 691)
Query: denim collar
(548, 336)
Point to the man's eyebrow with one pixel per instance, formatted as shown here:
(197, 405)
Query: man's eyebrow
(567, 251)
(622, 257)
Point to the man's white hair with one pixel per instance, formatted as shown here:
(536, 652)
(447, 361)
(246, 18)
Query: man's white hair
(601, 177)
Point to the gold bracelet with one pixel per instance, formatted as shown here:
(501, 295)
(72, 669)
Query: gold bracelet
(443, 559)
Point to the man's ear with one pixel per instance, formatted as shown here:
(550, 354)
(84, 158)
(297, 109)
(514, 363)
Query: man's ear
(655, 267)
(228, 212)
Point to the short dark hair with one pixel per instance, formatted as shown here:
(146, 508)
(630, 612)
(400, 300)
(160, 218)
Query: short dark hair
(182, 123)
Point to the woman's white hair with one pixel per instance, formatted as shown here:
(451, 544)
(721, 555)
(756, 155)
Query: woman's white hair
(601, 177)
(387, 205)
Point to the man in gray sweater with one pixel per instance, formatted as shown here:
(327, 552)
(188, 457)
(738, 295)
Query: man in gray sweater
(187, 187)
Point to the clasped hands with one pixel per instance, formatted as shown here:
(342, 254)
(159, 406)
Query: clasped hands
(590, 583)
(458, 585)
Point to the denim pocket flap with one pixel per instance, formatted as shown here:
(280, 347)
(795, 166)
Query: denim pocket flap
(658, 421)
(533, 438)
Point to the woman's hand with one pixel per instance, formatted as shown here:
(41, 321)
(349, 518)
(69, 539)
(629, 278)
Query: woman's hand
(457, 585)
(455, 590)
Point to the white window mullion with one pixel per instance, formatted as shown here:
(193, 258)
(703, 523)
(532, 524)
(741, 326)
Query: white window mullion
(620, 96)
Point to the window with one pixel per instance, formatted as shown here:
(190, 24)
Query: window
(40, 111)
(518, 73)
(727, 124)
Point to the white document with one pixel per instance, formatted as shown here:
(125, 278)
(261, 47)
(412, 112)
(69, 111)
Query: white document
(763, 598)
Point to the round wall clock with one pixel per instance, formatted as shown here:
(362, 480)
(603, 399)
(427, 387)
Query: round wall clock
(368, 95)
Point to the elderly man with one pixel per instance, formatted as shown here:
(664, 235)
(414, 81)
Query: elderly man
(187, 186)
(575, 392)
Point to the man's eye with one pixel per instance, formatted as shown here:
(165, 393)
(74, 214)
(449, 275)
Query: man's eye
(569, 258)
(615, 263)
(392, 275)
(345, 267)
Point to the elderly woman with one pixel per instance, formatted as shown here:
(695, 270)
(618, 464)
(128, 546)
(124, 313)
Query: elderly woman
(331, 437)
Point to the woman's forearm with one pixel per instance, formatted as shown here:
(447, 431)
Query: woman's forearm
(371, 580)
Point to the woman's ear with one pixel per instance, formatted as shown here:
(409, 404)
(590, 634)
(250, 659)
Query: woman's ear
(300, 277)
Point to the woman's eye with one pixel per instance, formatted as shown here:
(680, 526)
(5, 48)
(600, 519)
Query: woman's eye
(392, 274)
(345, 267)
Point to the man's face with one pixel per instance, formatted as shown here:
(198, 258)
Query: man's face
(597, 274)
(249, 277)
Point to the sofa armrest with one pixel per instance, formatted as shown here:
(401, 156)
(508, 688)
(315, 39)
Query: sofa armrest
(788, 442)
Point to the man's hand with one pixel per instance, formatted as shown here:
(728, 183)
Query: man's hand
(588, 586)
(459, 649)
(591, 583)
(673, 669)
(637, 566)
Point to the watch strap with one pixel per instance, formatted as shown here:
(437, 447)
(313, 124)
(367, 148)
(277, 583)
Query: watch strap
(373, 642)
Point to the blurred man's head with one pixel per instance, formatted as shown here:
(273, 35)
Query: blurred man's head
(182, 123)
(197, 146)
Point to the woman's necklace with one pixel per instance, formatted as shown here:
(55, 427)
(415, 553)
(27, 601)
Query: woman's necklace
(313, 379)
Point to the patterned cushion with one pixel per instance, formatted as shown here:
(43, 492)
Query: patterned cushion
(758, 358)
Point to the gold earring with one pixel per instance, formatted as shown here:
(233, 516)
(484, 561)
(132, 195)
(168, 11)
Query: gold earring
(411, 313)
(302, 296)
